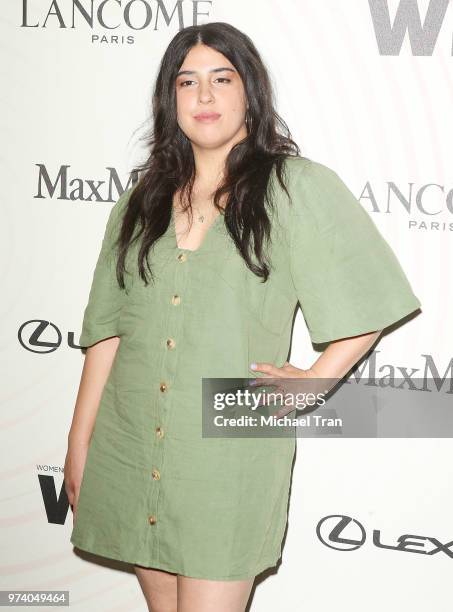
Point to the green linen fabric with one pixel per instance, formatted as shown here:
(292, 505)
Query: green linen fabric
(155, 492)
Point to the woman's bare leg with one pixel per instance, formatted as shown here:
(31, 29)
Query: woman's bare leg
(197, 595)
(159, 588)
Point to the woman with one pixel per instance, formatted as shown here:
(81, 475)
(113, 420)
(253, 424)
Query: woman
(200, 517)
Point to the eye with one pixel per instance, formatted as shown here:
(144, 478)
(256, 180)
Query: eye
(221, 79)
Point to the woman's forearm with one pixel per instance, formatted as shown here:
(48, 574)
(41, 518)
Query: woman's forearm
(96, 368)
(341, 355)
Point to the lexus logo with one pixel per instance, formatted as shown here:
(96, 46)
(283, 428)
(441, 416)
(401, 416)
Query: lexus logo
(39, 336)
(332, 531)
(345, 533)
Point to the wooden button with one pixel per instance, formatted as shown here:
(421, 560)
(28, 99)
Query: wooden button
(175, 300)
(171, 343)
(163, 387)
(159, 432)
(156, 474)
(182, 257)
(152, 519)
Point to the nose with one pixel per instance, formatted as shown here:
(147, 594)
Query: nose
(205, 94)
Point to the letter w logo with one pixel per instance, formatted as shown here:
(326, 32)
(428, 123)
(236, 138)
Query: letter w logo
(422, 37)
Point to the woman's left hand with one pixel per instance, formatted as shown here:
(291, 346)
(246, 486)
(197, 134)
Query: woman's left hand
(287, 372)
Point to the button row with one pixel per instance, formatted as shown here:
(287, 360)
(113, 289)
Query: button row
(170, 343)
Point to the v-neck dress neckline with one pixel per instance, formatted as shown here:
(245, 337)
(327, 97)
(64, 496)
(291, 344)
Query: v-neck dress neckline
(207, 237)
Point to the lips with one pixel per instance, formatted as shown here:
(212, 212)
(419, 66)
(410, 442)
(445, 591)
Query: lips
(207, 116)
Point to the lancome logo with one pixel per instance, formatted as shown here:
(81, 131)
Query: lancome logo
(108, 18)
(427, 205)
(62, 186)
(422, 33)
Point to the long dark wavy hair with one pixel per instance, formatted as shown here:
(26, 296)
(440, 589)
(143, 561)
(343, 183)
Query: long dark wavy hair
(170, 165)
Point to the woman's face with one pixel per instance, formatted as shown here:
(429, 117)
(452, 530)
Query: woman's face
(210, 99)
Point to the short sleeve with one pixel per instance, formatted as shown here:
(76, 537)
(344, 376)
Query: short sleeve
(346, 276)
(106, 298)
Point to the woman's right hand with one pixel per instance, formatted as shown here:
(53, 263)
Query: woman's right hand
(73, 473)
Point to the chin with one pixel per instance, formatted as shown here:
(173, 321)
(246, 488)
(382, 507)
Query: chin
(209, 143)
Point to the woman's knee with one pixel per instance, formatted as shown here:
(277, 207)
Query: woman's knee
(159, 588)
(199, 595)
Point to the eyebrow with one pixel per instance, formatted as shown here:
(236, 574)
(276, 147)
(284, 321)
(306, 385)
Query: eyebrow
(222, 69)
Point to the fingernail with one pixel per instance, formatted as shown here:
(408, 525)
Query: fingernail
(253, 366)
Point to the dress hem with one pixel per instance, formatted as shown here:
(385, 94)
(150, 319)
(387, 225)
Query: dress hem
(166, 567)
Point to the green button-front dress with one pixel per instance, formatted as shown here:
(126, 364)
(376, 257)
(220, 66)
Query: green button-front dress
(154, 491)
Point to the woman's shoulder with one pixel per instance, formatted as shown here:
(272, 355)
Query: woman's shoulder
(317, 189)
(120, 206)
(306, 171)
(124, 197)
(116, 214)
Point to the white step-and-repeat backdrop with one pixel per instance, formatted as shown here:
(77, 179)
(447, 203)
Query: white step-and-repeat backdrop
(366, 88)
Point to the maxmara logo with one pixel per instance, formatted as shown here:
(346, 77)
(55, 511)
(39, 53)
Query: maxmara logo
(422, 33)
(62, 185)
(111, 21)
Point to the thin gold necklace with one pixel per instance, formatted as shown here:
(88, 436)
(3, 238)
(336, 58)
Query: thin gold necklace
(200, 218)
